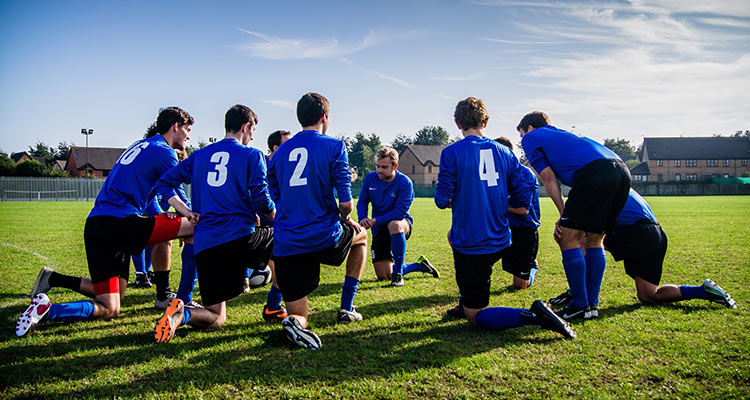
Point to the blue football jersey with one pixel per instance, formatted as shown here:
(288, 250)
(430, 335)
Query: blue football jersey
(305, 174)
(390, 200)
(128, 188)
(532, 219)
(635, 209)
(476, 177)
(563, 151)
(229, 187)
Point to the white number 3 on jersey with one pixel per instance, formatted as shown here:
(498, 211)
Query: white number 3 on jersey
(487, 170)
(218, 177)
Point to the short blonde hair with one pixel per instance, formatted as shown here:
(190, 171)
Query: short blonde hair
(387, 152)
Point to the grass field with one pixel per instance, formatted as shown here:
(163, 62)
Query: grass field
(404, 348)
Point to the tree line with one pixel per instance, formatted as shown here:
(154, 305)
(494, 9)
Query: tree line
(50, 155)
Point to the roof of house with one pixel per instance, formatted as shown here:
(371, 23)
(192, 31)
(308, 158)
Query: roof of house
(60, 164)
(426, 153)
(697, 148)
(101, 158)
(17, 156)
(641, 169)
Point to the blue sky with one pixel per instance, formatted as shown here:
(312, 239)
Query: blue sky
(610, 69)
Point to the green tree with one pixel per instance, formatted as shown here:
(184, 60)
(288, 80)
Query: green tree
(432, 136)
(56, 173)
(400, 142)
(63, 150)
(30, 168)
(7, 166)
(362, 155)
(746, 134)
(621, 147)
(40, 149)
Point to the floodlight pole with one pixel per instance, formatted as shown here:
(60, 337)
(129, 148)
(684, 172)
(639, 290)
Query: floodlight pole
(86, 132)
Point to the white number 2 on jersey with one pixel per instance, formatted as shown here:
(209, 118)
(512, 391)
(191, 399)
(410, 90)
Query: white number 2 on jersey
(487, 167)
(300, 156)
(218, 177)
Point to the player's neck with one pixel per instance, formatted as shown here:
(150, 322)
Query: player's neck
(472, 132)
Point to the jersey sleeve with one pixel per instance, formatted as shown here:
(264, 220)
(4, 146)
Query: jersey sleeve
(404, 198)
(257, 183)
(273, 183)
(342, 177)
(364, 200)
(168, 185)
(534, 152)
(446, 185)
(521, 186)
(153, 207)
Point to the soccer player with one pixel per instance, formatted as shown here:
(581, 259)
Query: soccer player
(476, 176)
(524, 222)
(115, 228)
(229, 187)
(641, 243)
(600, 182)
(391, 193)
(310, 228)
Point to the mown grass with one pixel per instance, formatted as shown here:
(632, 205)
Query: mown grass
(404, 348)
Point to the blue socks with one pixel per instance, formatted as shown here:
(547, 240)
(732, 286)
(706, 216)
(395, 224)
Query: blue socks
(185, 317)
(398, 250)
(189, 274)
(575, 271)
(71, 312)
(347, 293)
(596, 262)
(499, 318)
(693, 292)
(413, 267)
(273, 299)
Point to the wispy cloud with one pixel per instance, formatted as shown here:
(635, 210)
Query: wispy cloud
(380, 75)
(276, 48)
(281, 103)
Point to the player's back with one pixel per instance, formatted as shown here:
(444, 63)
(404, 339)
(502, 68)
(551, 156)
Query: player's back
(128, 187)
(565, 152)
(479, 170)
(228, 188)
(532, 219)
(636, 209)
(304, 173)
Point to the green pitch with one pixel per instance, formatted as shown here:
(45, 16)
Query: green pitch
(404, 348)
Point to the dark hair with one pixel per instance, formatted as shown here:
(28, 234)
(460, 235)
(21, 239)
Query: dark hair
(274, 139)
(167, 117)
(537, 119)
(471, 113)
(505, 141)
(311, 108)
(237, 116)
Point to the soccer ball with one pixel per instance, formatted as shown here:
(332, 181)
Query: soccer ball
(260, 277)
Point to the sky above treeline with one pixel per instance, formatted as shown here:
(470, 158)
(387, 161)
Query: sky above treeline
(603, 69)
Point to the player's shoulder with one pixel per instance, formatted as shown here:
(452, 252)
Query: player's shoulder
(371, 175)
(401, 178)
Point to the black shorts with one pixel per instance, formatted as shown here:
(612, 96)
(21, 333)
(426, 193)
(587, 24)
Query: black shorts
(521, 255)
(111, 240)
(298, 275)
(381, 243)
(642, 246)
(221, 269)
(473, 272)
(600, 190)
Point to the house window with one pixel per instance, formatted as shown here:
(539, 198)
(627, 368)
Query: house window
(677, 177)
(660, 178)
(691, 163)
(744, 163)
(726, 163)
(677, 163)
(691, 177)
(659, 163)
(712, 163)
(429, 169)
(413, 169)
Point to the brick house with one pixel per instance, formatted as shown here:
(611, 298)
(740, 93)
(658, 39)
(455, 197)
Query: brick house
(692, 158)
(101, 160)
(420, 163)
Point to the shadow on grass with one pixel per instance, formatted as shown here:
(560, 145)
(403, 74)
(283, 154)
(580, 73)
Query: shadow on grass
(350, 353)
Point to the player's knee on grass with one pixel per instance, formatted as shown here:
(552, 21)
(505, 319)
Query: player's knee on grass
(519, 283)
(646, 291)
(383, 269)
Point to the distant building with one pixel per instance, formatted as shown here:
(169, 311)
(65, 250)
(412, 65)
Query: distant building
(20, 157)
(420, 163)
(101, 160)
(692, 158)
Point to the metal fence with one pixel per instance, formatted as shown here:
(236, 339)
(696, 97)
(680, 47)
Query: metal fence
(48, 189)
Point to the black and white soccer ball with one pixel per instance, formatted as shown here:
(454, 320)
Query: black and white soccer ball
(260, 277)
